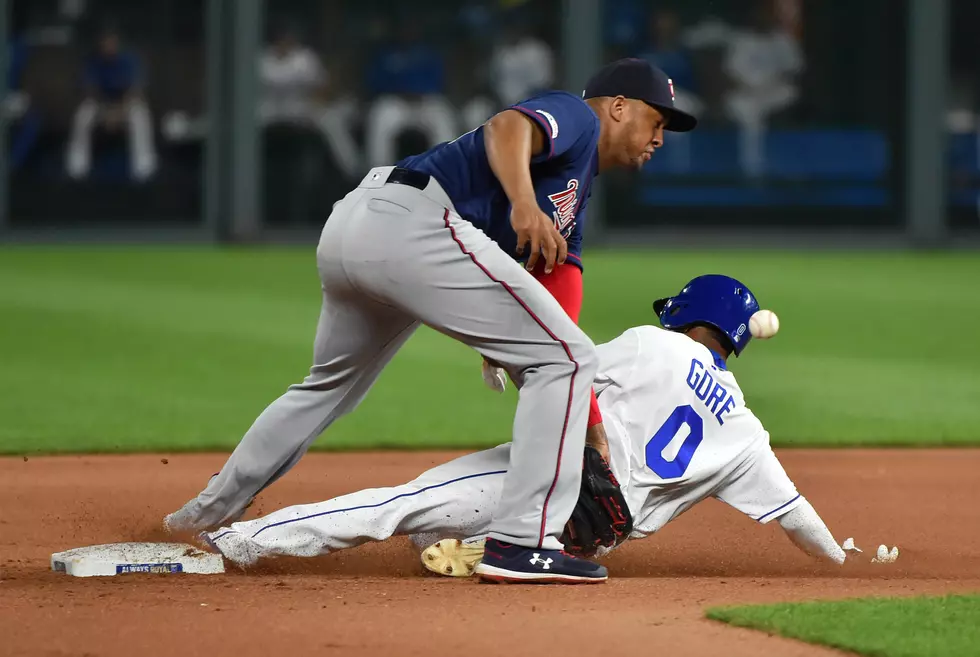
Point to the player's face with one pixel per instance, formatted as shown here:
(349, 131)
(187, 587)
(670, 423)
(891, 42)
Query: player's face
(643, 135)
(109, 45)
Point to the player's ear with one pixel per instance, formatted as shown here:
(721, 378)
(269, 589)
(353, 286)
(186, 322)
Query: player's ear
(617, 108)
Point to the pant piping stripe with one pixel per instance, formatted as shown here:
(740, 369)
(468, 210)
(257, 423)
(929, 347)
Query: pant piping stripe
(371, 506)
(564, 345)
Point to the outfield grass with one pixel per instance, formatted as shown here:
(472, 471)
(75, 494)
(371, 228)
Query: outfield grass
(128, 349)
(892, 627)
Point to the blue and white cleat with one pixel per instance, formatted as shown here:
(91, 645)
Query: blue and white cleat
(507, 563)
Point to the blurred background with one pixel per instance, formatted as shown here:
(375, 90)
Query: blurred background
(166, 167)
(246, 120)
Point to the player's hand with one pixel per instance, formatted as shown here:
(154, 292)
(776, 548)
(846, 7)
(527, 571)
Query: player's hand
(494, 376)
(534, 226)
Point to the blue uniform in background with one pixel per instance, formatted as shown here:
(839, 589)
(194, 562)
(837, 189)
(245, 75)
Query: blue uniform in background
(415, 69)
(113, 77)
(562, 173)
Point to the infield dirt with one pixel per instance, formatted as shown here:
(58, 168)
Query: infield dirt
(374, 600)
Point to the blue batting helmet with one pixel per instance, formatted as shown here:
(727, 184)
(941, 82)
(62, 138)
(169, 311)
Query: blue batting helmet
(715, 300)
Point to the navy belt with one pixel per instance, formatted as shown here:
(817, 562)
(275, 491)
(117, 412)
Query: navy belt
(415, 179)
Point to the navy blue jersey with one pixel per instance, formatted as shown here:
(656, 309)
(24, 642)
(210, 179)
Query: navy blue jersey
(562, 173)
(113, 77)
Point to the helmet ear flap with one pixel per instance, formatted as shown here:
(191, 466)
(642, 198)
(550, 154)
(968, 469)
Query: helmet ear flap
(674, 313)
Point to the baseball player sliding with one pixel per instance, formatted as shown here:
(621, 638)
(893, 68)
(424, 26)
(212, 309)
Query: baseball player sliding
(678, 432)
(436, 240)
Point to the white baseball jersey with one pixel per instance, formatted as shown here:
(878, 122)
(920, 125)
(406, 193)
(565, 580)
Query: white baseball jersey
(679, 431)
(289, 84)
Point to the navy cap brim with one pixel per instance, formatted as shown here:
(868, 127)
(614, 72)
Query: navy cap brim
(658, 305)
(677, 121)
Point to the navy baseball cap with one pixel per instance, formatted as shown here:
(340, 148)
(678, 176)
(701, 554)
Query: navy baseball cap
(640, 80)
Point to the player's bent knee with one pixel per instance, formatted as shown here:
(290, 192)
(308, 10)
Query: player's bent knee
(579, 355)
(587, 359)
(581, 349)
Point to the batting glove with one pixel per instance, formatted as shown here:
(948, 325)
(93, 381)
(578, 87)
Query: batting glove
(494, 377)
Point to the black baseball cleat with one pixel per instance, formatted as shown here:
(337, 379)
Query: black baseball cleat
(508, 563)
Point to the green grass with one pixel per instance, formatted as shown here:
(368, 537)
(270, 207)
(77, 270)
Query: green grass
(128, 349)
(878, 627)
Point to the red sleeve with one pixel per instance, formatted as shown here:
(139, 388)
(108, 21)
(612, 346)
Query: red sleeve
(565, 285)
(595, 415)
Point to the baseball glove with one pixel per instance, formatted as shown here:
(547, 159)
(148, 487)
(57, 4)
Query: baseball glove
(601, 517)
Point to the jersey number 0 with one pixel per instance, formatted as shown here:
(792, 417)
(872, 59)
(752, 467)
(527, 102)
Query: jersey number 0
(682, 415)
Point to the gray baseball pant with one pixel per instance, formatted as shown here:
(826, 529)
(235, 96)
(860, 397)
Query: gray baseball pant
(392, 256)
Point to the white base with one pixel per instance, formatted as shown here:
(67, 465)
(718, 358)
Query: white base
(120, 558)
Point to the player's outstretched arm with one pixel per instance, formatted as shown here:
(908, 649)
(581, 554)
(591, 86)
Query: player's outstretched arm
(761, 489)
(809, 533)
(511, 138)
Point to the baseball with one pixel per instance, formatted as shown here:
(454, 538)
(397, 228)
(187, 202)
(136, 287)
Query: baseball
(763, 324)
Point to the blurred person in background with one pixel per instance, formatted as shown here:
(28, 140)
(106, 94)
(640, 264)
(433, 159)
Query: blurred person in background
(406, 79)
(666, 52)
(293, 86)
(477, 29)
(296, 91)
(521, 66)
(113, 80)
(622, 27)
(23, 118)
(292, 77)
(763, 63)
